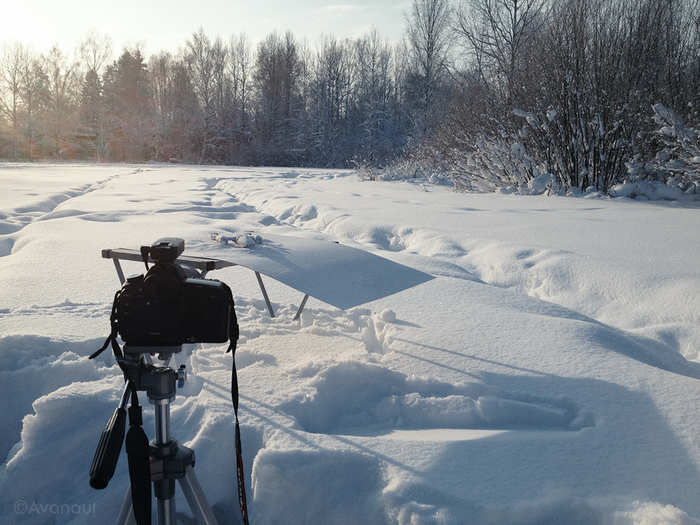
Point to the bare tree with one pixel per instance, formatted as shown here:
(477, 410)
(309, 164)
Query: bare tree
(205, 62)
(34, 95)
(160, 73)
(498, 35)
(62, 91)
(429, 44)
(277, 78)
(95, 51)
(240, 65)
(373, 98)
(331, 92)
(177, 111)
(221, 80)
(200, 59)
(12, 62)
(239, 70)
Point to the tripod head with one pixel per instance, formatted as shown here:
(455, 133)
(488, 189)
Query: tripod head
(157, 381)
(145, 353)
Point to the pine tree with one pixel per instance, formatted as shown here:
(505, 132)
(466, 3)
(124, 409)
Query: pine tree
(34, 94)
(129, 115)
(91, 130)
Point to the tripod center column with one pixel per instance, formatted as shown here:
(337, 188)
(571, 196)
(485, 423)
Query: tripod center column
(162, 413)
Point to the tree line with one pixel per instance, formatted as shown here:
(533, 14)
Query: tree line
(277, 103)
(479, 93)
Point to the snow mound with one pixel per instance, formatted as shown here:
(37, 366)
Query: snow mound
(33, 366)
(331, 487)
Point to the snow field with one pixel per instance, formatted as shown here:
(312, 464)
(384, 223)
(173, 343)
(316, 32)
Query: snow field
(572, 252)
(540, 379)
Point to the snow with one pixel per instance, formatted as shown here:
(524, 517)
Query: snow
(548, 374)
(539, 184)
(645, 190)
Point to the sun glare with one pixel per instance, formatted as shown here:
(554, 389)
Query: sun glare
(23, 23)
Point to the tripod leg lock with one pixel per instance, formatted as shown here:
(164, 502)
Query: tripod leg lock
(170, 460)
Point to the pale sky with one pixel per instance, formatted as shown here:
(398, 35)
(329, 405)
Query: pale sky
(166, 24)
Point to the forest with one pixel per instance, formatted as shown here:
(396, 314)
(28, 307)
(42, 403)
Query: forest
(478, 94)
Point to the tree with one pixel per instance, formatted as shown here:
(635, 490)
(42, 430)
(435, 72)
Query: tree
(91, 116)
(12, 62)
(128, 108)
(279, 105)
(499, 35)
(207, 67)
(34, 96)
(373, 125)
(331, 92)
(429, 44)
(160, 68)
(178, 117)
(240, 70)
(186, 119)
(62, 91)
(95, 51)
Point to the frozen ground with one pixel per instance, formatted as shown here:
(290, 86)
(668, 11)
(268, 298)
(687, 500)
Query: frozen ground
(549, 374)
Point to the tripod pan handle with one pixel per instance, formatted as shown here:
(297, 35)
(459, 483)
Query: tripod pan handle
(108, 449)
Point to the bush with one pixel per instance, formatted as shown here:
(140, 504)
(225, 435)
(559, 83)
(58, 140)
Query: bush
(493, 163)
(677, 161)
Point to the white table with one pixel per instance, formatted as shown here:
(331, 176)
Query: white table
(339, 275)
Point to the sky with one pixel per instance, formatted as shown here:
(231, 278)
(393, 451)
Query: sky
(166, 24)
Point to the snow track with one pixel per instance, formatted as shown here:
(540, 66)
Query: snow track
(41, 207)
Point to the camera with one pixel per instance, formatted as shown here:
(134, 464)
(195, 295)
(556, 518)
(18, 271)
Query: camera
(171, 304)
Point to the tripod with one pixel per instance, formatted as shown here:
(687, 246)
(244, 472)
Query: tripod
(167, 460)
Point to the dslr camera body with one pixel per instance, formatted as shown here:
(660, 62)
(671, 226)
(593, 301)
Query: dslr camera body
(172, 304)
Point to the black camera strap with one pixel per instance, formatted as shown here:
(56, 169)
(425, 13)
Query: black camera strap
(240, 474)
(139, 466)
(112, 337)
(145, 250)
(239, 456)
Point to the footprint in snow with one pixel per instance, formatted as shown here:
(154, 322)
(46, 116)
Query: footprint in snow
(360, 398)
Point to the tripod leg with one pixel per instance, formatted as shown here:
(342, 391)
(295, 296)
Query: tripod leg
(195, 497)
(126, 513)
(166, 511)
